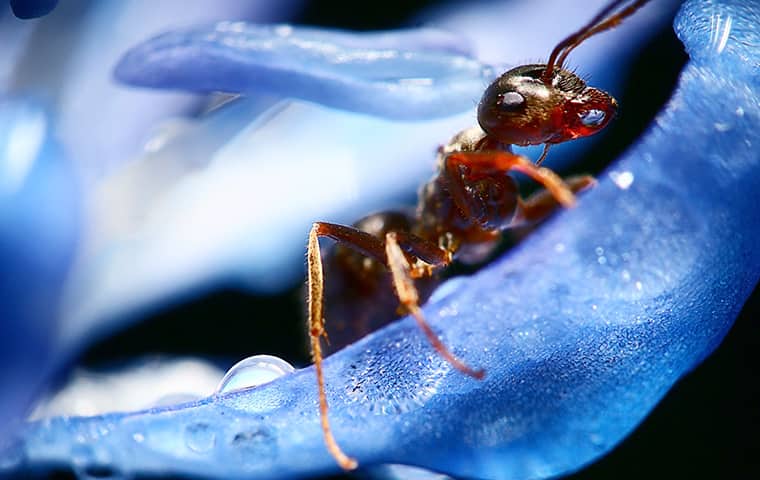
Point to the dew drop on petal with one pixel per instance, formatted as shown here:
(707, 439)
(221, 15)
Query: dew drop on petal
(623, 180)
(253, 372)
(722, 127)
(254, 443)
(200, 437)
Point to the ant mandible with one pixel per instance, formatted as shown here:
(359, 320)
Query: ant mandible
(463, 209)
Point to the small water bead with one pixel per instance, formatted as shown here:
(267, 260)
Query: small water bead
(200, 437)
(253, 372)
(253, 444)
(623, 180)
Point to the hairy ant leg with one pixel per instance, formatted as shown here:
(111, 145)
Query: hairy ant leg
(389, 252)
(409, 298)
(317, 320)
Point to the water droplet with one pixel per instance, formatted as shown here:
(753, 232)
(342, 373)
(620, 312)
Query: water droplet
(200, 437)
(722, 126)
(138, 437)
(559, 248)
(253, 372)
(739, 112)
(599, 251)
(254, 443)
(623, 180)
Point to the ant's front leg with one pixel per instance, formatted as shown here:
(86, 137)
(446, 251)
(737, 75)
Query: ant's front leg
(542, 203)
(497, 160)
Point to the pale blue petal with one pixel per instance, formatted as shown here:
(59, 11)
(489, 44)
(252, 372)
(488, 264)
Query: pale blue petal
(69, 58)
(404, 74)
(39, 227)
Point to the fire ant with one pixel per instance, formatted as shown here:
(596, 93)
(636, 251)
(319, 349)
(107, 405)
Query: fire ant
(463, 209)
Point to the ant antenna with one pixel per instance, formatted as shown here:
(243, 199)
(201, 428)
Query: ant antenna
(604, 20)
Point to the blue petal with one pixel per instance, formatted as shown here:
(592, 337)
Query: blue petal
(582, 330)
(68, 56)
(39, 228)
(32, 8)
(413, 74)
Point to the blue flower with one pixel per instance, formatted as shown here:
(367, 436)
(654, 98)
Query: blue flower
(581, 330)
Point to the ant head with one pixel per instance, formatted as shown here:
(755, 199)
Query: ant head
(534, 104)
(521, 108)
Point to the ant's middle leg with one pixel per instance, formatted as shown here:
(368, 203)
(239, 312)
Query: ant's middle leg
(373, 247)
(409, 298)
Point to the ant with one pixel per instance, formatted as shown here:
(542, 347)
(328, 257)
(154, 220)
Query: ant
(463, 209)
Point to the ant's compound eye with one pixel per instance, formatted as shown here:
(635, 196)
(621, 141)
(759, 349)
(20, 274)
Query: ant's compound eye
(511, 101)
(592, 118)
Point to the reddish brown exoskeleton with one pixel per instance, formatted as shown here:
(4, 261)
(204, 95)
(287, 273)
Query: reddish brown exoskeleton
(464, 208)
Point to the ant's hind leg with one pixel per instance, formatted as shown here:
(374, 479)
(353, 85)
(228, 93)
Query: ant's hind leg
(316, 332)
(409, 298)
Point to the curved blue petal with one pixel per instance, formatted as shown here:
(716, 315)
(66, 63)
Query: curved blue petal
(32, 8)
(39, 228)
(581, 330)
(405, 74)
